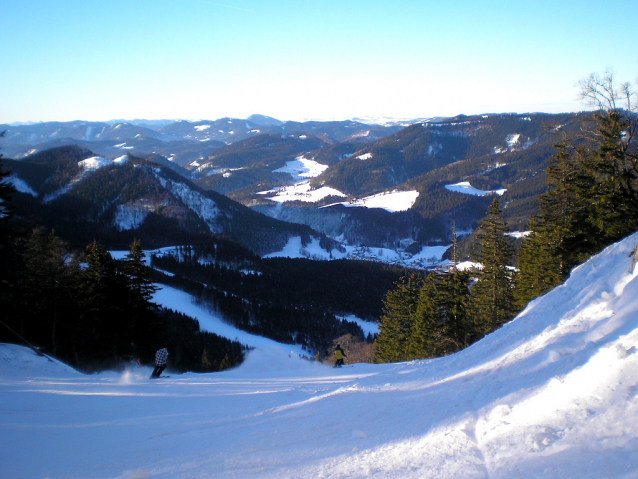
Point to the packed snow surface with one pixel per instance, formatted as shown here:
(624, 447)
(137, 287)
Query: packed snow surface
(465, 188)
(552, 394)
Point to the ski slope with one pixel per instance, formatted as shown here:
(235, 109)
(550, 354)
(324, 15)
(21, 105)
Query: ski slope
(552, 394)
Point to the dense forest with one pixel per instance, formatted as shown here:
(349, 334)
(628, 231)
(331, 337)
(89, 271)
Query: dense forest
(288, 300)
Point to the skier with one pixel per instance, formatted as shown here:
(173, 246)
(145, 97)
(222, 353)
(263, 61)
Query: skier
(160, 362)
(339, 354)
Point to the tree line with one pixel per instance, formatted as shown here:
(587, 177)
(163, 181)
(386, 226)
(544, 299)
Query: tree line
(591, 202)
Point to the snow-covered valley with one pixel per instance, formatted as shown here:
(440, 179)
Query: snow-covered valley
(551, 394)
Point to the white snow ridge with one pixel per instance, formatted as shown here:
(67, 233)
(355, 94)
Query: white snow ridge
(552, 394)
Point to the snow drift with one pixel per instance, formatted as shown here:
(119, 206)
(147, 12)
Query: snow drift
(554, 393)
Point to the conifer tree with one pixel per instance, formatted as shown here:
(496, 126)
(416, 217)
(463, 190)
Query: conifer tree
(6, 190)
(395, 326)
(540, 266)
(144, 328)
(592, 197)
(137, 272)
(426, 337)
(102, 329)
(491, 298)
(441, 324)
(47, 281)
(559, 236)
(611, 161)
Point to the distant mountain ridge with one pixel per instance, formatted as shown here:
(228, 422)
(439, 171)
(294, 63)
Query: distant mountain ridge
(182, 141)
(84, 197)
(330, 176)
(508, 153)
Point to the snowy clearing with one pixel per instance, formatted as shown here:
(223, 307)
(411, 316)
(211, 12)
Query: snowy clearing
(301, 168)
(22, 186)
(392, 201)
(301, 192)
(94, 163)
(467, 189)
(552, 394)
(429, 256)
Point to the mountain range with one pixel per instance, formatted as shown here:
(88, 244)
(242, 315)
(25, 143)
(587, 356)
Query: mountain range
(261, 181)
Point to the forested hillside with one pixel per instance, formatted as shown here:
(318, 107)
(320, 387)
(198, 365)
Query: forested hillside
(507, 152)
(591, 201)
(133, 198)
(288, 300)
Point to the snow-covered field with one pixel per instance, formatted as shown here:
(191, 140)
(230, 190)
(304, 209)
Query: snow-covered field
(429, 256)
(552, 394)
(392, 201)
(466, 188)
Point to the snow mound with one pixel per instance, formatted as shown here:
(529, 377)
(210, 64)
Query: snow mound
(19, 361)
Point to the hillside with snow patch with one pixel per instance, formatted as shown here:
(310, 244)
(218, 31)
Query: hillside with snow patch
(552, 394)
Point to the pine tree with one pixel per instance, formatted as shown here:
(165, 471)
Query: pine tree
(441, 324)
(559, 236)
(6, 191)
(539, 263)
(6, 235)
(426, 337)
(47, 281)
(102, 333)
(612, 160)
(592, 197)
(491, 298)
(395, 326)
(455, 291)
(138, 273)
(144, 329)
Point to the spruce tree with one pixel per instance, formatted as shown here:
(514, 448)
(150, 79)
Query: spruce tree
(46, 286)
(395, 326)
(6, 235)
(6, 191)
(612, 160)
(426, 335)
(559, 237)
(491, 298)
(592, 197)
(540, 267)
(441, 324)
(144, 328)
(102, 332)
(138, 273)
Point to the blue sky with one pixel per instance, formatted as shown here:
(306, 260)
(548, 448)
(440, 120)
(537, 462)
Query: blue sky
(201, 59)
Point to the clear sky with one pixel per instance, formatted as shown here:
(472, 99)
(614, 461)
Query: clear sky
(321, 59)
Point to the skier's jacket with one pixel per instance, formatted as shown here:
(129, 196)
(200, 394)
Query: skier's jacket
(160, 357)
(338, 354)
